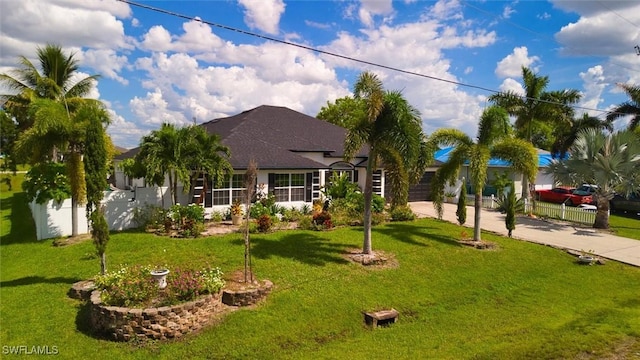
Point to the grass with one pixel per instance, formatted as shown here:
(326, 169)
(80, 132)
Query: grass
(521, 301)
(625, 225)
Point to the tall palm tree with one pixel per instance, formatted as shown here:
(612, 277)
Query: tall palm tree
(609, 160)
(54, 80)
(49, 107)
(567, 135)
(160, 156)
(494, 139)
(391, 128)
(61, 127)
(178, 154)
(631, 107)
(536, 108)
(205, 155)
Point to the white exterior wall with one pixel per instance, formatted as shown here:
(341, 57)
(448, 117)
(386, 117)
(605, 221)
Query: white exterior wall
(53, 219)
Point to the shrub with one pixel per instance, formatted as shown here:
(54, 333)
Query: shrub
(149, 216)
(135, 287)
(217, 216)
(264, 223)
(305, 223)
(402, 213)
(339, 186)
(128, 287)
(258, 210)
(322, 220)
(189, 219)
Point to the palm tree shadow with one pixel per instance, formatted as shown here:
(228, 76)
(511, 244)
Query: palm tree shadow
(30, 280)
(412, 234)
(22, 226)
(304, 247)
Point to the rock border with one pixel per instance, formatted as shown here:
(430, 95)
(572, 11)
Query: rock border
(167, 322)
(249, 295)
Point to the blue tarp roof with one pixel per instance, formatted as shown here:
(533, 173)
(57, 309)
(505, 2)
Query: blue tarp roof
(544, 158)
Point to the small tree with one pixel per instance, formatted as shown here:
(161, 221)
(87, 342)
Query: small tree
(250, 185)
(511, 205)
(100, 235)
(461, 213)
(95, 168)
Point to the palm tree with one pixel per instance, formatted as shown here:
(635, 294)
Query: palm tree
(205, 155)
(55, 82)
(610, 161)
(494, 139)
(566, 135)
(61, 127)
(627, 108)
(392, 130)
(178, 154)
(536, 109)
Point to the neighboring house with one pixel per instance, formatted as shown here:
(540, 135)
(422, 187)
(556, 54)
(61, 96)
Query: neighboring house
(295, 155)
(422, 190)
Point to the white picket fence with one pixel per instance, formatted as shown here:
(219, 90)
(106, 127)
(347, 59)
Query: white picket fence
(555, 211)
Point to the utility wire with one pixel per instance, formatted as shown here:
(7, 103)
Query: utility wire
(284, 42)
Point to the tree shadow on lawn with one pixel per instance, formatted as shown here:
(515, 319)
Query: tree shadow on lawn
(304, 247)
(30, 280)
(23, 229)
(410, 233)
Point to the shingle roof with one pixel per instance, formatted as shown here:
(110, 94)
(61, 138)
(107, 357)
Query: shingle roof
(274, 136)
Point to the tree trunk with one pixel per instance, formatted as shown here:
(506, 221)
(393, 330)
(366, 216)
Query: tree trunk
(602, 214)
(103, 263)
(476, 217)
(368, 195)
(74, 216)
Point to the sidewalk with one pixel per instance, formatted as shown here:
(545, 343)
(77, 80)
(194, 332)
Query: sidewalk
(561, 235)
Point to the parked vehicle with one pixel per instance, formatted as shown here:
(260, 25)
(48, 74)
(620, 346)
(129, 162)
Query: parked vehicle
(621, 203)
(564, 194)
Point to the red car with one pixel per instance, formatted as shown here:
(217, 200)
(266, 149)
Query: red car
(563, 194)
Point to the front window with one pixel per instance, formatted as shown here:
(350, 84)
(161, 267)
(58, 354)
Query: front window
(231, 189)
(288, 187)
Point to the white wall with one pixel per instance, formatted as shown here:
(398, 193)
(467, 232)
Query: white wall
(53, 219)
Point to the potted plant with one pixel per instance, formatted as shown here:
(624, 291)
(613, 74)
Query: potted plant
(450, 196)
(236, 212)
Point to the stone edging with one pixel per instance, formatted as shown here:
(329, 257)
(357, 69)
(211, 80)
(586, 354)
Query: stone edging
(123, 324)
(246, 297)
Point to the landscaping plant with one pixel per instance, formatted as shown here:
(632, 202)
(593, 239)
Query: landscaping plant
(461, 212)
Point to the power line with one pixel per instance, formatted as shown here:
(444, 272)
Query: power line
(309, 48)
(540, 35)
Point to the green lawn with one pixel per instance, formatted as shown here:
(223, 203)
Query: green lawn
(520, 301)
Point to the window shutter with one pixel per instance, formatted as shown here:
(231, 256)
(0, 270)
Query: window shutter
(308, 185)
(355, 175)
(272, 180)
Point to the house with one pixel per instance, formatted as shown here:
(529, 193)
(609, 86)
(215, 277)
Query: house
(497, 167)
(295, 155)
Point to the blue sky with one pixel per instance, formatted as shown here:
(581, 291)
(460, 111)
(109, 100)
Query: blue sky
(161, 68)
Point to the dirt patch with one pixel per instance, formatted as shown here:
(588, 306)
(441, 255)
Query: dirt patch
(71, 240)
(480, 245)
(375, 260)
(219, 228)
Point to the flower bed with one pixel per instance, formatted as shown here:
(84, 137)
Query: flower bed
(166, 322)
(129, 303)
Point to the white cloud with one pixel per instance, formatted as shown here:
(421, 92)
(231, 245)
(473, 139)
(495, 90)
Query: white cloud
(544, 16)
(594, 85)
(512, 64)
(603, 29)
(263, 14)
(512, 85)
(507, 11)
(370, 8)
(106, 62)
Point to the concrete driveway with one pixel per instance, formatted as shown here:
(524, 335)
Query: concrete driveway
(561, 235)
